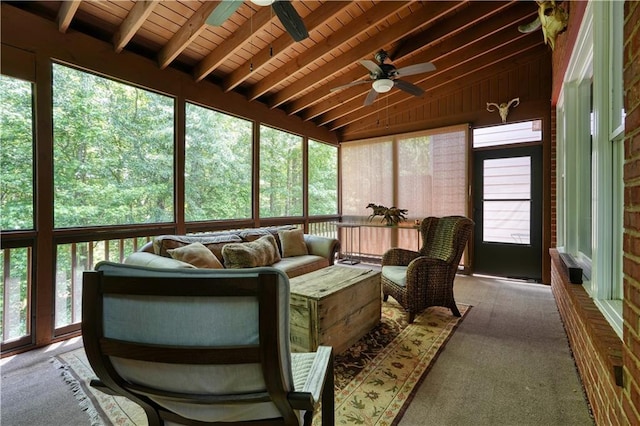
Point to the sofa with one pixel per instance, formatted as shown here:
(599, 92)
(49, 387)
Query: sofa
(284, 247)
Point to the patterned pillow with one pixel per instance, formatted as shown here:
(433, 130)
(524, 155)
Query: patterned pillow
(261, 252)
(213, 242)
(197, 255)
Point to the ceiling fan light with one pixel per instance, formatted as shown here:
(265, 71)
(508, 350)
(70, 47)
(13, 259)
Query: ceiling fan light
(383, 85)
(262, 2)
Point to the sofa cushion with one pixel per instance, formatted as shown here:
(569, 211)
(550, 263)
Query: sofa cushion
(261, 252)
(211, 241)
(299, 265)
(253, 234)
(197, 255)
(150, 260)
(292, 243)
(397, 274)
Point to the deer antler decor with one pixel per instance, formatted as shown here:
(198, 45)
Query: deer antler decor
(503, 108)
(553, 20)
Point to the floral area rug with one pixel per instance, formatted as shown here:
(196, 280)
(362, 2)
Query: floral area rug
(375, 379)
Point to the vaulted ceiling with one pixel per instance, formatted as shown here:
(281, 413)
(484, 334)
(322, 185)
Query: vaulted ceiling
(251, 53)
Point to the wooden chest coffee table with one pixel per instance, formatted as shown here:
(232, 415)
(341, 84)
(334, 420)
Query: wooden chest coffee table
(333, 306)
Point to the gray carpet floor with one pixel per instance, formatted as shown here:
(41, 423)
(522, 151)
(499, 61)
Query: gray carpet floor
(508, 363)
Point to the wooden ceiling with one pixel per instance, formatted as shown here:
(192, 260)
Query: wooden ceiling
(252, 54)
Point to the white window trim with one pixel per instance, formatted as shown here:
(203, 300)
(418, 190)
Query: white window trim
(592, 61)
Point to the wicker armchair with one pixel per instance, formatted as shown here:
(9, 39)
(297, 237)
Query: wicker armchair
(421, 279)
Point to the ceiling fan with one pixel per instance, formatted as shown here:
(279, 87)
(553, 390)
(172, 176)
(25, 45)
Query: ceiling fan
(285, 11)
(384, 76)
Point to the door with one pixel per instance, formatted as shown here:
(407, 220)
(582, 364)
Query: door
(508, 212)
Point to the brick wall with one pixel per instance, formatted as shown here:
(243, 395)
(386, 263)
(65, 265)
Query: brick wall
(609, 368)
(631, 268)
(596, 348)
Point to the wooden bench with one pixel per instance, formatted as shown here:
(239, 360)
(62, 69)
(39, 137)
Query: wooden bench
(334, 306)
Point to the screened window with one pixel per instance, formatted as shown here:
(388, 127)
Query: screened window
(280, 173)
(323, 179)
(113, 152)
(218, 165)
(16, 204)
(367, 176)
(432, 174)
(424, 173)
(16, 154)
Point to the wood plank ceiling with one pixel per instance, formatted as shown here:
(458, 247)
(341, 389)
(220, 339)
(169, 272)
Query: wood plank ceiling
(252, 54)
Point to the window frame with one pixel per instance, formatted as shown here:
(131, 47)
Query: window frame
(590, 175)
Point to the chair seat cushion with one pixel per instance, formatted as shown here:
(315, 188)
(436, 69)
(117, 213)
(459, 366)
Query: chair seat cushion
(396, 274)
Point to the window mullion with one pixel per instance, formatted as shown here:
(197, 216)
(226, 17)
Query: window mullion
(602, 165)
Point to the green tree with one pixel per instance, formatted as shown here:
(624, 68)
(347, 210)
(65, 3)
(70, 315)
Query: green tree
(113, 152)
(16, 154)
(280, 173)
(16, 201)
(218, 165)
(323, 178)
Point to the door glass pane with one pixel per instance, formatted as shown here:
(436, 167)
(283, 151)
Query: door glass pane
(507, 200)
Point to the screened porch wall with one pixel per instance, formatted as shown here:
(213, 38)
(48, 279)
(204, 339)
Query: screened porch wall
(423, 172)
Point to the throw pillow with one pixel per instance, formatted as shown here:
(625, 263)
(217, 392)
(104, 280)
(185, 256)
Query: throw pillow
(293, 243)
(197, 255)
(261, 252)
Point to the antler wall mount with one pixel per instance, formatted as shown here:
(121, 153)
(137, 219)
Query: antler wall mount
(552, 18)
(503, 108)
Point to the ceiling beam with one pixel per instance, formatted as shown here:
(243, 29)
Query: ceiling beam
(417, 19)
(262, 58)
(186, 34)
(359, 25)
(134, 20)
(453, 51)
(321, 100)
(489, 52)
(234, 42)
(66, 13)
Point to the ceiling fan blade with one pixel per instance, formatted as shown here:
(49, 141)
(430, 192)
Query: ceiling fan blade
(222, 12)
(408, 87)
(290, 19)
(372, 67)
(353, 83)
(370, 97)
(416, 69)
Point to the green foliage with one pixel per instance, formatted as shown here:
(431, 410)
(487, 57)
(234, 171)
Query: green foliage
(280, 173)
(113, 161)
(323, 179)
(113, 152)
(16, 154)
(15, 308)
(218, 165)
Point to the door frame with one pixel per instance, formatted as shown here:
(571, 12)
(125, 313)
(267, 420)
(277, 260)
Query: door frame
(538, 152)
